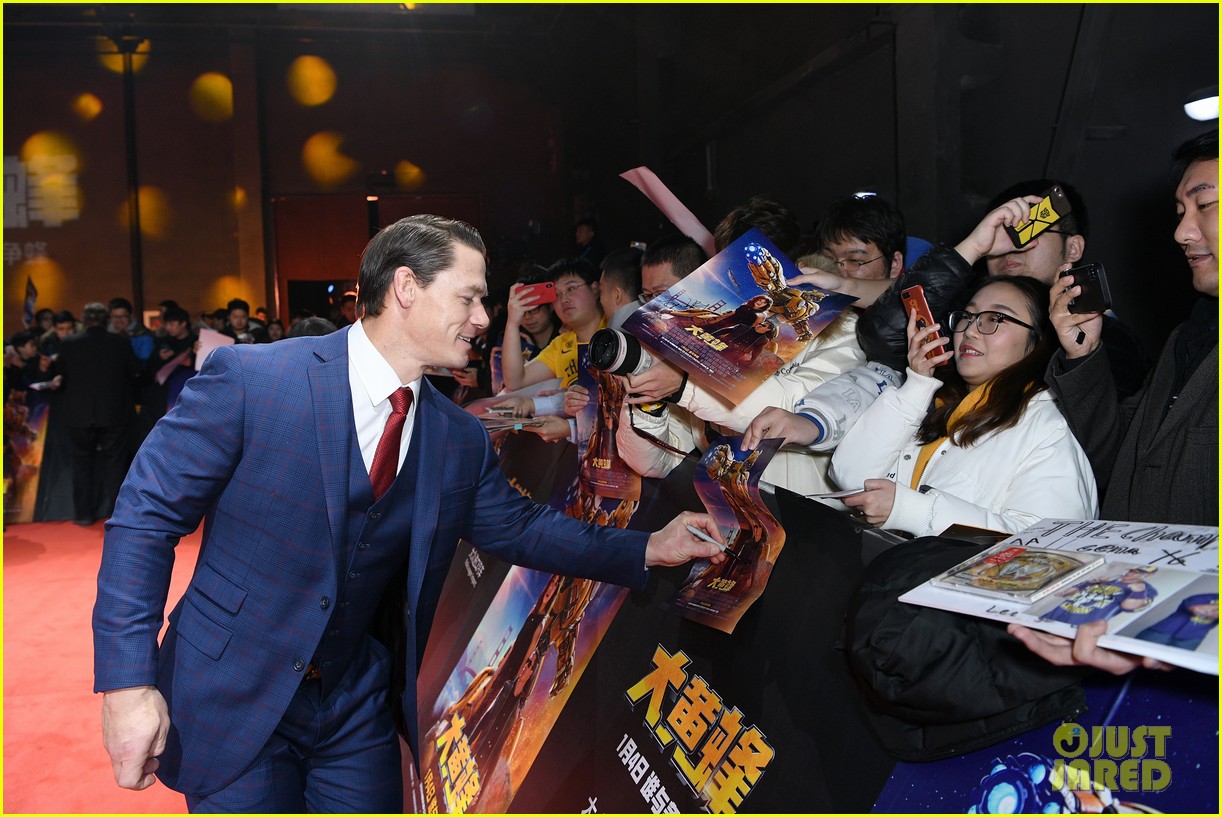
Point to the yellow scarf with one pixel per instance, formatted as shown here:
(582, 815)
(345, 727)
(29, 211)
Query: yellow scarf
(971, 400)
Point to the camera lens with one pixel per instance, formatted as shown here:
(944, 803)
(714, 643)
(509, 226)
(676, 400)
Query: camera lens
(617, 352)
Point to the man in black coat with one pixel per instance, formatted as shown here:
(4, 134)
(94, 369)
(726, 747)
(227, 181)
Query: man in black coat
(99, 371)
(1157, 451)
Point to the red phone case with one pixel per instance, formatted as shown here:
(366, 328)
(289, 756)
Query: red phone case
(914, 298)
(543, 293)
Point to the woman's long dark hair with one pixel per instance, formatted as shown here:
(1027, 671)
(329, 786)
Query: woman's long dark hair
(1011, 389)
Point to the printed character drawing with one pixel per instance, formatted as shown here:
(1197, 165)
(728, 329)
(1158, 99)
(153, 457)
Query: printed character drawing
(790, 305)
(1098, 599)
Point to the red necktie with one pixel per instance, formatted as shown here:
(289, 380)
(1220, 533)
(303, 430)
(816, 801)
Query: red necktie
(386, 458)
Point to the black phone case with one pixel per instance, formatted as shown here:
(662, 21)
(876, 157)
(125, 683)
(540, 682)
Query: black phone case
(1096, 296)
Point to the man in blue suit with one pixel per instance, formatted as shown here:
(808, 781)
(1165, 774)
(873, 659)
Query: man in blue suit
(325, 470)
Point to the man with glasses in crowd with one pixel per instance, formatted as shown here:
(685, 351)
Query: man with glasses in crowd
(666, 262)
(579, 310)
(865, 236)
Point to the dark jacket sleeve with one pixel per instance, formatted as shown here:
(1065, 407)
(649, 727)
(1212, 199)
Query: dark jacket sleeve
(881, 329)
(1086, 394)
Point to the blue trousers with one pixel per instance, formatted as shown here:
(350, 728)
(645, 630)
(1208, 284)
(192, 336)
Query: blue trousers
(338, 755)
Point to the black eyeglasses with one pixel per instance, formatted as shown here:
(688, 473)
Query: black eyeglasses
(851, 265)
(986, 322)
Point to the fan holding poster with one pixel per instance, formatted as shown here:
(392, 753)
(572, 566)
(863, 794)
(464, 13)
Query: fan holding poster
(735, 321)
(727, 481)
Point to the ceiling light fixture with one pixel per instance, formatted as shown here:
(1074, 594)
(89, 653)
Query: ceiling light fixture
(1202, 105)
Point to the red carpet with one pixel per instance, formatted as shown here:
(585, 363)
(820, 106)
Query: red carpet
(53, 755)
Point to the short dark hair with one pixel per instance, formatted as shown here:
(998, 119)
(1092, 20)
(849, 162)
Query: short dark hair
(237, 303)
(587, 222)
(119, 303)
(63, 316)
(423, 243)
(682, 253)
(21, 338)
(95, 314)
(866, 218)
(176, 313)
(167, 303)
(1200, 148)
(1075, 222)
(623, 269)
(573, 266)
(44, 311)
(311, 326)
(776, 221)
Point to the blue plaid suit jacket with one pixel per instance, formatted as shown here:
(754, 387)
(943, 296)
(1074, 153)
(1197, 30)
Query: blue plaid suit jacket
(258, 448)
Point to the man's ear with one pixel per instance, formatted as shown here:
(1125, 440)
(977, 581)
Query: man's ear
(897, 265)
(404, 287)
(1075, 248)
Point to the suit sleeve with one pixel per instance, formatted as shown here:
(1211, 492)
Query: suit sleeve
(179, 472)
(511, 527)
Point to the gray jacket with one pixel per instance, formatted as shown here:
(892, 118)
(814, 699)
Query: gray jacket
(1147, 470)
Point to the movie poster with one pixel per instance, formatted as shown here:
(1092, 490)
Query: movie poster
(727, 480)
(509, 685)
(483, 725)
(601, 470)
(734, 321)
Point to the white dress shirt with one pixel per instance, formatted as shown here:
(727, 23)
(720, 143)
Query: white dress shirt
(373, 381)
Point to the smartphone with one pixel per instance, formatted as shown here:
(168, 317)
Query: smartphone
(543, 293)
(1042, 216)
(914, 298)
(1095, 295)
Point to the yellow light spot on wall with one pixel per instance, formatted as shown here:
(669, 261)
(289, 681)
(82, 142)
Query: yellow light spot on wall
(311, 80)
(237, 198)
(155, 213)
(227, 287)
(48, 143)
(323, 160)
(87, 107)
(112, 60)
(409, 176)
(212, 97)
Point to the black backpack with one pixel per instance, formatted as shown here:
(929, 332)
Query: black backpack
(938, 684)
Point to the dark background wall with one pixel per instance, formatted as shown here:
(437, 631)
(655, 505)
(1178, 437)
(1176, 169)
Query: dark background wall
(528, 113)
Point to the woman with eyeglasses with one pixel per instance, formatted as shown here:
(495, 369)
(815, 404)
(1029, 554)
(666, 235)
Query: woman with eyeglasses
(977, 442)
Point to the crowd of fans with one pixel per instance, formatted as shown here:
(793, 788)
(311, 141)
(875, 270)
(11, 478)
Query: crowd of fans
(110, 378)
(1009, 409)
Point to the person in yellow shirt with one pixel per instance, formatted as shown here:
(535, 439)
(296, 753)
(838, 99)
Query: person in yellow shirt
(579, 310)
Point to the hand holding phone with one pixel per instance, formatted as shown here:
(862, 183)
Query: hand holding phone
(1095, 295)
(914, 298)
(542, 293)
(1043, 215)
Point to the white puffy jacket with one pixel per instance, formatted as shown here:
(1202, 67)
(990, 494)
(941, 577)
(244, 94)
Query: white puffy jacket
(833, 351)
(1006, 481)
